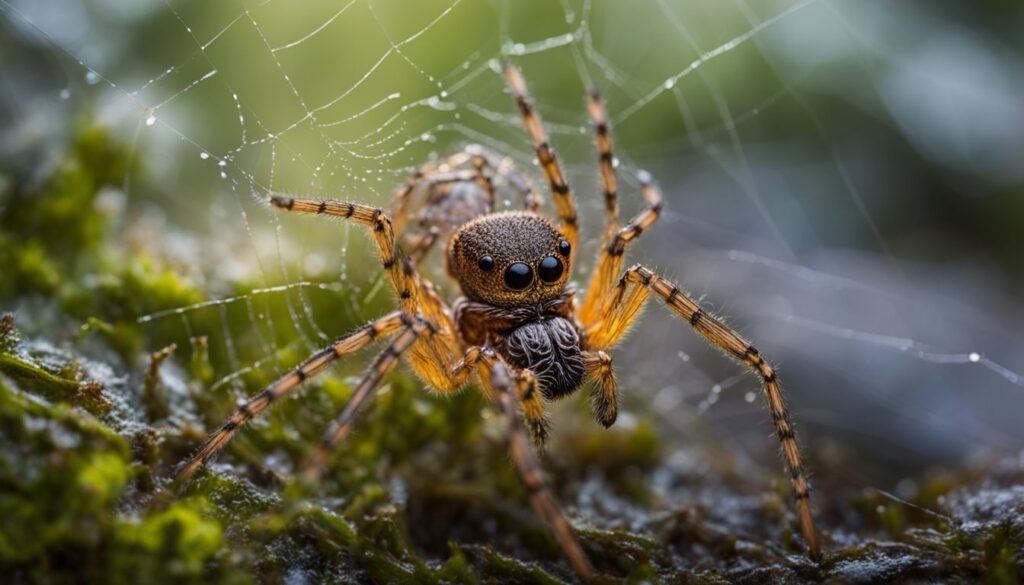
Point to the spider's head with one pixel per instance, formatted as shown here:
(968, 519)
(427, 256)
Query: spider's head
(509, 258)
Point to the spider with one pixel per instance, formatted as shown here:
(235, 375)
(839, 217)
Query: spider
(518, 325)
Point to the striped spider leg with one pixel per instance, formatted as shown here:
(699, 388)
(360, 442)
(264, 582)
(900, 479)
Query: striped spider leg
(285, 385)
(565, 205)
(613, 304)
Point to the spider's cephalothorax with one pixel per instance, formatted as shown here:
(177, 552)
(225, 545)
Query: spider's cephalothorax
(517, 327)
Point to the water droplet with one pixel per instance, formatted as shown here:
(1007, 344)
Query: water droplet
(750, 397)
(716, 388)
(65, 94)
(974, 356)
(204, 155)
(150, 120)
(670, 83)
(91, 77)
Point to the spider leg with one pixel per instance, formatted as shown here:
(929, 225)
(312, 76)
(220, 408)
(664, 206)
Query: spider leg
(609, 263)
(606, 160)
(383, 236)
(562, 195)
(288, 383)
(495, 377)
(604, 399)
(342, 424)
(527, 390)
(505, 169)
(621, 311)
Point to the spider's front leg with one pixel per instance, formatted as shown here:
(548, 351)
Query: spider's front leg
(290, 382)
(383, 236)
(621, 310)
(341, 426)
(497, 380)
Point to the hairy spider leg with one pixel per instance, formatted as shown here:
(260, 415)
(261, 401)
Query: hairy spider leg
(383, 236)
(342, 424)
(622, 309)
(615, 237)
(609, 263)
(528, 392)
(604, 399)
(565, 205)
(606, 162)
(291, 381)
(496, 379)
(505, 169)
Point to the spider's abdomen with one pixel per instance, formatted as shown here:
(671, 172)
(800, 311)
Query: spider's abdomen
(551, 350)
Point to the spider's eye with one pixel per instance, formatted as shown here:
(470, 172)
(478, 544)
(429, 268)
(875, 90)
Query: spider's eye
(550, 269)
(564, 248)
(518, 276)
(486, 263)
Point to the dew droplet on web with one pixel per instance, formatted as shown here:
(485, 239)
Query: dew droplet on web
(670, 83)
(91, 77)
(749, 397)
(974, 357)
(204, 155)
(150, 120)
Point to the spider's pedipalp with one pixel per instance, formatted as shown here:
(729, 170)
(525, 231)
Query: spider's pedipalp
(286, 384)
(629, 296)
(604, 399)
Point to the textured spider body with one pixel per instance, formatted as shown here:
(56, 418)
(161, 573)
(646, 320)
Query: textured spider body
(513, 269)
(517, 329)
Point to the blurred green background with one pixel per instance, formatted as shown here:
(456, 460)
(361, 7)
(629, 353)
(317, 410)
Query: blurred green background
(843, 182)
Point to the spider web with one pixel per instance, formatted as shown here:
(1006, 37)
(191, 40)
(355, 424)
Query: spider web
(775, 228)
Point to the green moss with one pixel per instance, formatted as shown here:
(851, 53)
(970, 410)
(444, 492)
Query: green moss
(169, 546)
(66, 384)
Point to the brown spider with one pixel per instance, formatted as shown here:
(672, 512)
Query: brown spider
(517, 326)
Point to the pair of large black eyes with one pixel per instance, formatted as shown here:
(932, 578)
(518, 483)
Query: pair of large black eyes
(519, 275)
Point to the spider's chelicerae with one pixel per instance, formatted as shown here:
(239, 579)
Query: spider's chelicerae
(518, 326)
